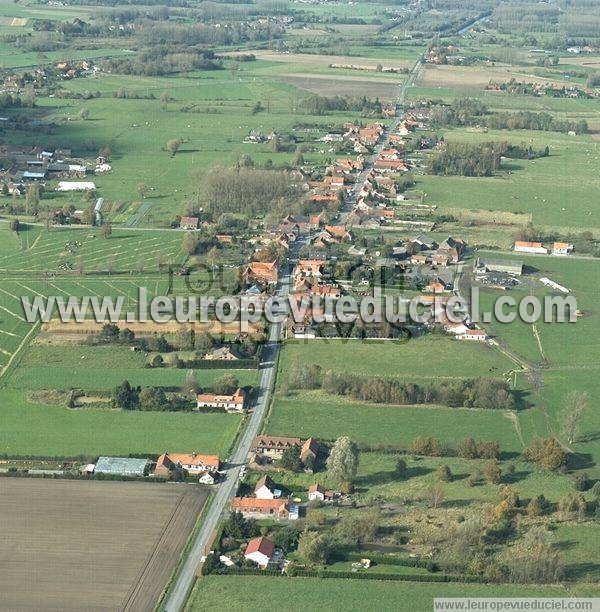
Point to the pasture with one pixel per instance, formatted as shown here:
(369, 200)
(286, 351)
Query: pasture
(422, 358)
(37, 250)
(246, 593)
(319, 415)
(57, 431)
(525, 186)
(80, 366)
(92, 545)
(564, 353)
(210, 111)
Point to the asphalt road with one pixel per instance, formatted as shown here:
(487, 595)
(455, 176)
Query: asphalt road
(226, 490)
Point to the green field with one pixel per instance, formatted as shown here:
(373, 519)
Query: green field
(566, 354)
(56, 431)
(78, 367)
(38, 250)
(248, 593)
(420, 358)
(525, 186)
(322, 416)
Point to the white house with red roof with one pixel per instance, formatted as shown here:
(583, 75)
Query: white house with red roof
(260, 550)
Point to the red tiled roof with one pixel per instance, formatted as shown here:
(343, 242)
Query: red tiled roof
(238, 397)
(262, 545)
(173, 459)
(252, 503)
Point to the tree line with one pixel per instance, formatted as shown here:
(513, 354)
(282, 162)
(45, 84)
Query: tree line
(487, 393)
(470, 112)
(321, 105)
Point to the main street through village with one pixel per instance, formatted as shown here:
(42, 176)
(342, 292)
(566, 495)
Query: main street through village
(225, 492)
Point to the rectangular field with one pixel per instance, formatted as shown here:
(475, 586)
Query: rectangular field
(247, 593)
(57, 431)
(91, 545)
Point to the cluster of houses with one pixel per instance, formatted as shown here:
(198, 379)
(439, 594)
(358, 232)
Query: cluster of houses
(268, 500)
(425, 251)
(553, 90)
(379, 195)
(444, 54)
(537, 248)
(16, 82)
(262, 550)
(308, 281)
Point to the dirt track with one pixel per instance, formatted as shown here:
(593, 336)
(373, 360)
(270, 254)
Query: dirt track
(91, 545)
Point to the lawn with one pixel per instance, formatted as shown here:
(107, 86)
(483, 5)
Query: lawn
(56, 431)
(248, 592)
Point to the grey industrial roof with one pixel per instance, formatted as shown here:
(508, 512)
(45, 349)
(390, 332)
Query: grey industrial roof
(121, 465)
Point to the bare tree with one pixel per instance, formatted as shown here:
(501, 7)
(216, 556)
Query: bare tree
(435, 496)
(575, 404)
(173, 146)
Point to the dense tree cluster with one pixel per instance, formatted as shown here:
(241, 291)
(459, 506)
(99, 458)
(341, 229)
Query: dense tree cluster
(251, 191)
(161, 60)
(546, 452)
(321, 105)
(528, 120)
(464, 159)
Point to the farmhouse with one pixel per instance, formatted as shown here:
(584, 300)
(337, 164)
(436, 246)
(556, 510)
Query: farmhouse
(274, 446)
(309, 450)
(265, 489)
(260, 508)
(223, 353)
(122, 466)
(260, 550)
(436, 285)
(422, 243)
(477, 335)
(190, 463)
(562, 248)
(522, 246)
(390, 165)
(309, 267)
(452, 248)
(236, 402)
(189, 223)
